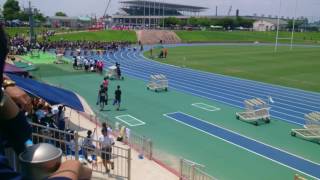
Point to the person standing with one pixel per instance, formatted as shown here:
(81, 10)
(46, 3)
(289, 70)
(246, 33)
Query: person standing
(105, 83)
(151, 52)
(106, 143)
(89, 147)
(61, 118)
(118, 71)
(102, 97)
(165, 52)
(117, 98)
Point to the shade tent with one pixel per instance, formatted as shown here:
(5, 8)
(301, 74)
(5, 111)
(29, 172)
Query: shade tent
(8, 68)
(53, 95)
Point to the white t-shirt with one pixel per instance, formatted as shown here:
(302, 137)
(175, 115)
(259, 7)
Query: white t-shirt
(73, 146)
(88, 141)
(105, 141)
(109, 131)
(128, 133)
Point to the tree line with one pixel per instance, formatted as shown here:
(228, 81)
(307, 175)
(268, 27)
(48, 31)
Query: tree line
(12, 11)
(226, 23)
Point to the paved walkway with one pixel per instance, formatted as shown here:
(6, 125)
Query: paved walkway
(141, 168)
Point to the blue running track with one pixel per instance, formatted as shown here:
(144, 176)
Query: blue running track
(290, 104)
(279, 156)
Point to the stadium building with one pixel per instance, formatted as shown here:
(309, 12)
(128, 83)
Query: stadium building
(148, 14)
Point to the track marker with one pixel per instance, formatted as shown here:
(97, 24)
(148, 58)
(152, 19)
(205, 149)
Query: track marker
(205, 107)
(130, 120)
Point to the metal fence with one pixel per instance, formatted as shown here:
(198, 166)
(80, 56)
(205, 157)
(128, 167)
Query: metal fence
(185, 169)
(192, 171)
(136, 141)
(73, 147)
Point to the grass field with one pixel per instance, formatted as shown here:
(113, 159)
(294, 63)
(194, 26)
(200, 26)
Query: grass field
(298, 68)
(44, 58)
(98, 36)
(245, 36)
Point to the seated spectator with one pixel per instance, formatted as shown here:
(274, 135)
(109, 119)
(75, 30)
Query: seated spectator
(86, 65)
(15, 131)
(89, 147)
(75, 62)
(121, 134)
(61, 118)
(40, 113)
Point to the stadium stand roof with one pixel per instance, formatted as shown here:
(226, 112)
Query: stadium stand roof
(171, 6)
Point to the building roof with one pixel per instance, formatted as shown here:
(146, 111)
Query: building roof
(80, 18)
(178, 7)
(63, 18)
(274, 21)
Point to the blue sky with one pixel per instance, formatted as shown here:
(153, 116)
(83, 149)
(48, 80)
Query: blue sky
(307, 8)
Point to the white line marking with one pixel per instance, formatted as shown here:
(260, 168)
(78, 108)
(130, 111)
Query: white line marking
(140, 123)
(222, 88)
(177, 84)
(166, 115)
(205, 107)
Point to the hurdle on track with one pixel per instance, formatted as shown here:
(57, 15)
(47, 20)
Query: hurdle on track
(158, 82)
(311, 132)
(255, 110)
(112, 73)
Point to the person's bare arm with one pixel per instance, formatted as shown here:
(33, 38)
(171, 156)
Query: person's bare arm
(19, 97)
(73, 170)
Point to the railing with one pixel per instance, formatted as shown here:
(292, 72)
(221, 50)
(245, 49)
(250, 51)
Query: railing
(192, 171)
(144, 146)
(72, 147)
(138, 142)
(184, 169)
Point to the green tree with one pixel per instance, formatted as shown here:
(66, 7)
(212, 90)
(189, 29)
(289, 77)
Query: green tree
(171, 21)
(61, 14)
(193, 21)
(1, 12)
(297, 24)
(246, 23)
(39, 16)
(23, 16)
(205, 22)
(227, 23)
(11, 10)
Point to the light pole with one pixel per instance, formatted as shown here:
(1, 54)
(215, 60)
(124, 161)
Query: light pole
(278, 24)
(293, 24)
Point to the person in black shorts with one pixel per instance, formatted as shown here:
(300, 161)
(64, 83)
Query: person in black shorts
(106, 143)
(117, 98)
(102, 97)
(118, 71)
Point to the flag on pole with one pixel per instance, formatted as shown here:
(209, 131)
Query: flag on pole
(270, 99)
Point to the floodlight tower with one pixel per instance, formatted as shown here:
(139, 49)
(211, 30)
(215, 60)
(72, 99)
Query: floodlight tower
(31, 24)
(293, 24)
(105, 14)
(229, 11)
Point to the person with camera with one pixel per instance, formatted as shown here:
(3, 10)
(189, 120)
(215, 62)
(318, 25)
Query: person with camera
(15, 131)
